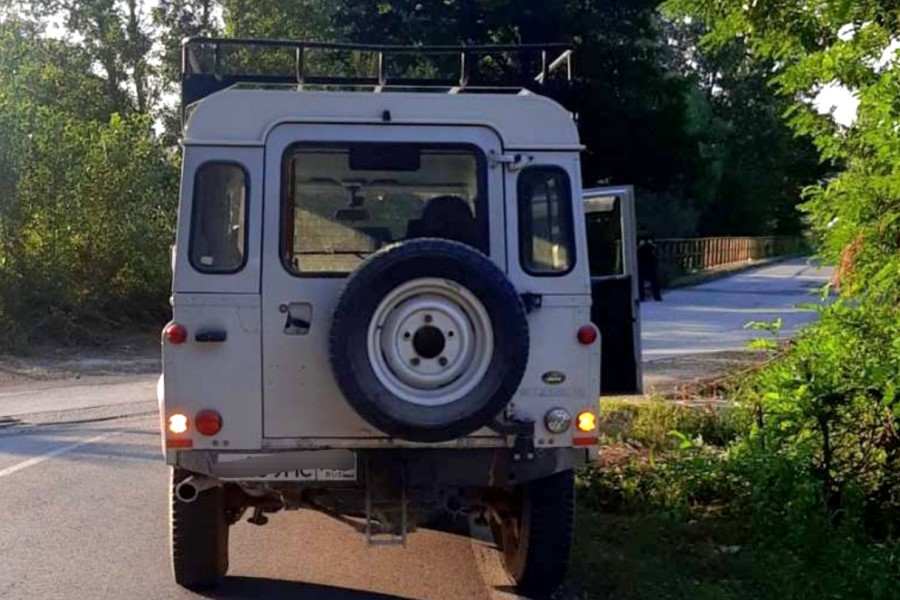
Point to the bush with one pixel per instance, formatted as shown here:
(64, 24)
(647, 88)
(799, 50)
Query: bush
(831, 405)
(659, 424)
(802, 475)
(88, 219)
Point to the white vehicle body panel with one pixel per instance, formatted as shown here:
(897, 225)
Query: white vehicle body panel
(525, 121)
(276, 391)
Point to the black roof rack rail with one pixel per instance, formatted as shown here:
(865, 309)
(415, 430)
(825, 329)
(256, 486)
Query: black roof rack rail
(201, 78)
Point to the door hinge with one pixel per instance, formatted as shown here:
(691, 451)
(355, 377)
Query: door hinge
(513, 162)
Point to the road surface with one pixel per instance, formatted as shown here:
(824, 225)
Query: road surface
(83, 487)
(699, 333)
(711, 317)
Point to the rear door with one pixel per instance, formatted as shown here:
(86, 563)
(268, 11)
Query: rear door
(333, 195)
(612, 248)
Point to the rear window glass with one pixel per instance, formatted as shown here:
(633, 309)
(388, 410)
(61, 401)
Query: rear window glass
(546, 242)
(218, 231)
(344, 202)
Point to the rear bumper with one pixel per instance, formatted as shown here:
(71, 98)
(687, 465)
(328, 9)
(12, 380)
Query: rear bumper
(479, 467)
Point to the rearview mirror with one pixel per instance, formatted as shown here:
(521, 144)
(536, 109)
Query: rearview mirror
(352, 215)
(385, 157)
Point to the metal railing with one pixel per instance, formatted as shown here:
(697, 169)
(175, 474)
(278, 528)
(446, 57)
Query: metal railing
(204, 70)
(679, 257)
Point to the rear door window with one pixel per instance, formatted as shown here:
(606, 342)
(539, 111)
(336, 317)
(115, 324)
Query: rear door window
(218, 227)
(546, 242)
(345, 201)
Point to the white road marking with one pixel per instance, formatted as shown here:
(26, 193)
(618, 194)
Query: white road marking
(39, 459)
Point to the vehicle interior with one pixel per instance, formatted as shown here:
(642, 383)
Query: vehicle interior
(345, 202)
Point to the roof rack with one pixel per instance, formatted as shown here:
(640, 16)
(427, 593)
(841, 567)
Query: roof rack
(204, 72)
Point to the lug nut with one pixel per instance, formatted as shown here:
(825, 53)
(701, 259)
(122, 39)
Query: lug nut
(450, 334)
(442, 361)
(406, 335)
(428, 318)
(415, 362)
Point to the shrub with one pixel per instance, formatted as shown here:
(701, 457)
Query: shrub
(88, 219)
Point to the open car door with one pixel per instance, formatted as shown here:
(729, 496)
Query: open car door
(612, 250)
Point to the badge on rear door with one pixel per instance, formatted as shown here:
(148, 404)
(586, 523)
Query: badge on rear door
(553, 377)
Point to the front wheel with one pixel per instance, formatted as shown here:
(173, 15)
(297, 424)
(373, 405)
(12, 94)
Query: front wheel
(198, 535)
(535, 534)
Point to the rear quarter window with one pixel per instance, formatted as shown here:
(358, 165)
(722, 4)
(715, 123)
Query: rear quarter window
(218, 224)
(546, 235)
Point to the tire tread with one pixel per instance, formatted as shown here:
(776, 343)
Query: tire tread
(198, 536)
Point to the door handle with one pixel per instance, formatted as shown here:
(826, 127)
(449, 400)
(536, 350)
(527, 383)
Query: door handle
(298, 317)
(296, 322)
(207, 336)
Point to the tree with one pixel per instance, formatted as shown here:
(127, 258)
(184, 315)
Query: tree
(87, 196)
(811, 46)
(756, 167)
(116, 37)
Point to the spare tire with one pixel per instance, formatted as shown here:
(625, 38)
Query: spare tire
(429, 340)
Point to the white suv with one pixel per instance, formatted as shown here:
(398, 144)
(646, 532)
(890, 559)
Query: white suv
(382, 308)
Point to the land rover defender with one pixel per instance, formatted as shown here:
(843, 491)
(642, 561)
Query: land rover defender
(382, 304)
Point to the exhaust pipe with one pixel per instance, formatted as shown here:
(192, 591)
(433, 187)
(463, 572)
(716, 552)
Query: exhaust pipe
(190, 489)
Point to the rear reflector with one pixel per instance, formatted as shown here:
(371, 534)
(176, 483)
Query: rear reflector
(175, 333)
(591, 441)
(587, 335)
(183, 443)
(208, 422)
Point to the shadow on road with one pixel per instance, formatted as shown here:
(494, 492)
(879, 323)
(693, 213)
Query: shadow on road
(238, 588)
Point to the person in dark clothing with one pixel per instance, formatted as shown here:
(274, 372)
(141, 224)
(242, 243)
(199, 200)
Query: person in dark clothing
(648, 267)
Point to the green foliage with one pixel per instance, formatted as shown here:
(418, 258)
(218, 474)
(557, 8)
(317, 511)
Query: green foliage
(753, 514)
(811, 47)
(88, 228)
(87, 199)
(650, 423)
(817, 466)
(831, 404)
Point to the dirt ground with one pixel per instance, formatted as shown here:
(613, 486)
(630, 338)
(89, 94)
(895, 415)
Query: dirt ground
(129, 355)
(688, 375)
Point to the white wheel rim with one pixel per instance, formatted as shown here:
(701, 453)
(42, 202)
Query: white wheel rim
(430, 341)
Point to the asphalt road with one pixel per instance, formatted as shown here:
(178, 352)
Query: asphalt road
(711, 317)
(83, 486)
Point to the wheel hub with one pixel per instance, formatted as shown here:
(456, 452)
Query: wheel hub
(430, 341)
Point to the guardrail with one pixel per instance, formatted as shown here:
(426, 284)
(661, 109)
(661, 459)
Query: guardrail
(678, 257)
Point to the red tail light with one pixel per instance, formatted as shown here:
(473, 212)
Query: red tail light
(175, 333)
(587, 334)
(208, 422)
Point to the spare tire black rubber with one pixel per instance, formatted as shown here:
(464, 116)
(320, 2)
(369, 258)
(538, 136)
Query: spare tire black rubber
(365, 290)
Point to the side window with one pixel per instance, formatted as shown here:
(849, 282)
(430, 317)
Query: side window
(218, 231)
(546, 241)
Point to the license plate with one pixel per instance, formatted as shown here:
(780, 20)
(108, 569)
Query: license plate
(333, 465)
(308, 475)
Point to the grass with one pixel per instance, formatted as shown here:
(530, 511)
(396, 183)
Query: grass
(637, 557)
(659, 424)
(668, 513)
